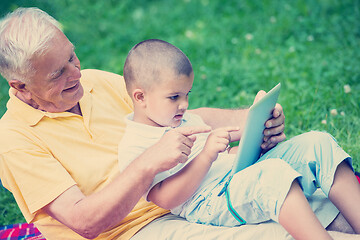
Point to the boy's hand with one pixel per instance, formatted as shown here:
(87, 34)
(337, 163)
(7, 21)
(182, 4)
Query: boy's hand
(173, 148)
(217, 142)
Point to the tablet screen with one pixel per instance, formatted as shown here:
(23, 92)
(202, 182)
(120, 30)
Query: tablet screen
(252, 137)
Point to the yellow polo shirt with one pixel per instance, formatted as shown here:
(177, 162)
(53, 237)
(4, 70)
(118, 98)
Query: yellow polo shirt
(43, 154)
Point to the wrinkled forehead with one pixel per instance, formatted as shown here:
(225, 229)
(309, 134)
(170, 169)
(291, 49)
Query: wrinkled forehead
(54, 57)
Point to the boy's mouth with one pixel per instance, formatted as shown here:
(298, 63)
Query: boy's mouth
(179, 116)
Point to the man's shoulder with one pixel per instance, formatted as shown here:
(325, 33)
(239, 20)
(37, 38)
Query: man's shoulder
(93, 74)
(95, 77)
(104, 82)
(14, 134)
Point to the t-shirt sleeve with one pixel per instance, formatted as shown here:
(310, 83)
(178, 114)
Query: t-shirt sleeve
(34, 177)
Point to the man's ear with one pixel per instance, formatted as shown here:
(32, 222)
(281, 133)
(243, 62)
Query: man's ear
(20, 87)
(139, 96)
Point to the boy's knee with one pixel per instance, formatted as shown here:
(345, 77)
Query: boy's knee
(276, 164)
(315, 137)
(275, 161)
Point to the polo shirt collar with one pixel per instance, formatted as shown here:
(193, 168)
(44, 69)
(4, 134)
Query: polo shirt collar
(33, 116)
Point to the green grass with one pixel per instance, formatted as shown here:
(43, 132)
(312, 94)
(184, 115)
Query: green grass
(9, 211)
(236, 48)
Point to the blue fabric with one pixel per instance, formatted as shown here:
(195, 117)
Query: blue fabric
(315, 155)
(258, 192)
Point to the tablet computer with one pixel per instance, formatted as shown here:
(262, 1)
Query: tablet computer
(252, 137)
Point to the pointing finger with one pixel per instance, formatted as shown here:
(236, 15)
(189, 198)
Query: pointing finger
(190, 130)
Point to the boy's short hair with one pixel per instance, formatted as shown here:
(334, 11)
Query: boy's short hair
(147, 58)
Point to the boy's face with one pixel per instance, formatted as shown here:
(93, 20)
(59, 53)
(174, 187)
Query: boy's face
(167, 102)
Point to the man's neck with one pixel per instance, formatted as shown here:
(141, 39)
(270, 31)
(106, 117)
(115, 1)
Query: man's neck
(76, 109)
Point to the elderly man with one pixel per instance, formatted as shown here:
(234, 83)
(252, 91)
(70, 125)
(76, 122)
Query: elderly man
(58, 144)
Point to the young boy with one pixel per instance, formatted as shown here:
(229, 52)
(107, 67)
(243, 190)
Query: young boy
(159, 78)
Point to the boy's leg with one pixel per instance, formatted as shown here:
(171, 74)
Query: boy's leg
(256, 194)
(315, 155)
(297, 217)
(345, 194)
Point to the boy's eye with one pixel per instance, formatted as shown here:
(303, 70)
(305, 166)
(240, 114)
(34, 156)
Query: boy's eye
(174, 97)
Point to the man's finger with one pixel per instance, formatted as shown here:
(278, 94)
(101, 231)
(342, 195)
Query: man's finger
(190, 130)
(259, 96)
(277, 111)
(185, 150)
(183, 158)
(192, 138)
(268, 132)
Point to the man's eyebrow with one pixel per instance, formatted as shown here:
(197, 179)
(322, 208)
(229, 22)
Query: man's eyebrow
(56, 72)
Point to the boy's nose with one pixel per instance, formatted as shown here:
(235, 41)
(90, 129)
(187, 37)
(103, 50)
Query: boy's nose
(184, 105)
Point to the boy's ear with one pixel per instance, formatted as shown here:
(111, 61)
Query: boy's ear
(20, 87)
(139, 96)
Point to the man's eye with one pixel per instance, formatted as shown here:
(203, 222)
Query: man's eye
(174, 97)
(58, 74)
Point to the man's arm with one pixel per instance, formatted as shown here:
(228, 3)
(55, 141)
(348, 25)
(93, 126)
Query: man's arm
(91, 215)
(218, 118)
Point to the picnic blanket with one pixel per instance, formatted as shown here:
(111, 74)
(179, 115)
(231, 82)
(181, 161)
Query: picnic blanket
(25, 231)
(20, 231)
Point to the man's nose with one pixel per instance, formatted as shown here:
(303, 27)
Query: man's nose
(74, 71)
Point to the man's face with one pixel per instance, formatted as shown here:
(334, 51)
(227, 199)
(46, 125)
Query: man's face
(55, 86)
(167, 102)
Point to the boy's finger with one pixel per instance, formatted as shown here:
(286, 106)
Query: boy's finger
(231, 129)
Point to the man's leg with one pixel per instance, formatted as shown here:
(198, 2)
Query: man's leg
(340, 225)
(170, 227)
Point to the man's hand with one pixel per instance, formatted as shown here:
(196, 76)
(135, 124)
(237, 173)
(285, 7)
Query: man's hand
(274, 127)
(173, 148)
(218, 141)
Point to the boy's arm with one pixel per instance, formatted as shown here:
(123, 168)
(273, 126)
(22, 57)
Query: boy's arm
(176, 189)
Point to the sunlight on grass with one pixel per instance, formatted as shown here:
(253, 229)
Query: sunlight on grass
(236, 48)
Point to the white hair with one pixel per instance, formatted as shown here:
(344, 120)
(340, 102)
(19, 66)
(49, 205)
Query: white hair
(24, 33)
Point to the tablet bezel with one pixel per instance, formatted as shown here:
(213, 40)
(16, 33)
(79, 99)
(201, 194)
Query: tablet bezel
(252, 137)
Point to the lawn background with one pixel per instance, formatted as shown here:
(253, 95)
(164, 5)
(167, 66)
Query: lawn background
(236, 48)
